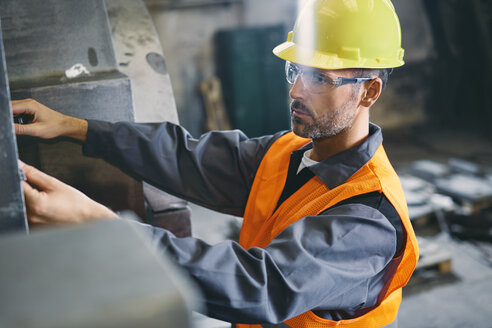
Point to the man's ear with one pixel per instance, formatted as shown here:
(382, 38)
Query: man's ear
(372, 91)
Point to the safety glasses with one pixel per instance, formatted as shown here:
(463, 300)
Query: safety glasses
(316, 81)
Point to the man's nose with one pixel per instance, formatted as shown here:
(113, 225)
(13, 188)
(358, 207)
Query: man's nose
(297, 90)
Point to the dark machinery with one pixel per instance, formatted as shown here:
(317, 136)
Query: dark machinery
(92, 59)
(118, 279)
(12, 211)
(61, 54)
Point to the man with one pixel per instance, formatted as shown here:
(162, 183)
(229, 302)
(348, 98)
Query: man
(326, 238)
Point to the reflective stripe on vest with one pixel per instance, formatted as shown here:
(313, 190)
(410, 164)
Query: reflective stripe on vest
(262, 222)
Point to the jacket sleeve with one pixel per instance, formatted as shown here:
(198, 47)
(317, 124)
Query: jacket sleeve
(334, 261)
(215, 171)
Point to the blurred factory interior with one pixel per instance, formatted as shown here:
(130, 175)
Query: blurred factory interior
(207, 64)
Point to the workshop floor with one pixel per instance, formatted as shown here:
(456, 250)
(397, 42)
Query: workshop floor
(459, 298)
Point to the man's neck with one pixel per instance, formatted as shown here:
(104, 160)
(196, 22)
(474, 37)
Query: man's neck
(328, 147)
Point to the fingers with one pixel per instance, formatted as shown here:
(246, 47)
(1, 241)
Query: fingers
(46, 122)
(54, 202)
(39, 179)
(31, 197)
(21, 129)
(24, 106)
(30, 194)
(37, 201)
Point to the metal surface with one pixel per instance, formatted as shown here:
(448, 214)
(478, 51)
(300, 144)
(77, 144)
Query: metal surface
(91, 80)
(69, 64)
(139, 55)
(107, 274)
(463, 181)
(12, 211)
(466, 188)
(107, 97)
(166, 211)
(45, 38)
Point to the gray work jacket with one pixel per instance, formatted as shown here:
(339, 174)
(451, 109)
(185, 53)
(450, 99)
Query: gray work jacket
(333, 263)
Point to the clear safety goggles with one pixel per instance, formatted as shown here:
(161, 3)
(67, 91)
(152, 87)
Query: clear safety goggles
(316, 81)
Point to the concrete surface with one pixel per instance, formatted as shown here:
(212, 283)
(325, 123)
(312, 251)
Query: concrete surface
(464, 301)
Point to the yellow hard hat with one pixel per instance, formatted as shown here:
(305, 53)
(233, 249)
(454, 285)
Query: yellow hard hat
(336, 34)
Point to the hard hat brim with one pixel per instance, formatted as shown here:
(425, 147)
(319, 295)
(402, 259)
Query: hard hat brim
(289, 51)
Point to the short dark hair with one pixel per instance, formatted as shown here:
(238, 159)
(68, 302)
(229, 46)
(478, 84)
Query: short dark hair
(382, 73)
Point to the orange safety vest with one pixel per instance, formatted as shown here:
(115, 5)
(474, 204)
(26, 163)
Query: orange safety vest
(262, 223)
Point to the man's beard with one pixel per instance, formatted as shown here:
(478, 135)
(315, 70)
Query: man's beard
(328, 125)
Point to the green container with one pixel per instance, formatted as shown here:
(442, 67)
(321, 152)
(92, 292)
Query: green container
(253, 79)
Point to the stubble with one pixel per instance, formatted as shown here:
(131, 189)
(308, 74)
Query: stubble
(330, 124)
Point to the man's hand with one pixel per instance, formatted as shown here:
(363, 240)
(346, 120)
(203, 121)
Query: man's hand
(57, 203)
(48, 123)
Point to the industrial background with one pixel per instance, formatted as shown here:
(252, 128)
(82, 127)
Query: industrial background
(207, 64)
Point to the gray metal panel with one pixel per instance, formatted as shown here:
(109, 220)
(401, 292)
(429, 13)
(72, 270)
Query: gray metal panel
(140, 56)
(103, 274)
(107, 98)
(104, 95)
(12, 211)
(45, 38)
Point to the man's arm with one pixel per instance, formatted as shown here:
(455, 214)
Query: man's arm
(332, 263)
(216, 170)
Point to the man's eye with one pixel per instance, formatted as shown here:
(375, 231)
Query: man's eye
(318, 78)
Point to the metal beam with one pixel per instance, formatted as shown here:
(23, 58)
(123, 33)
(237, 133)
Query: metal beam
(12, 210)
